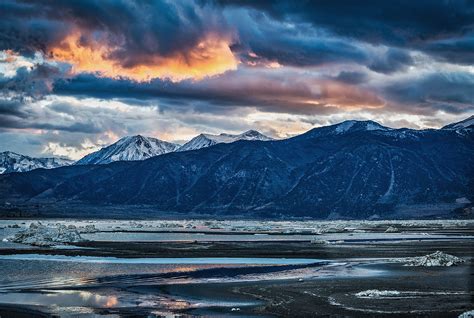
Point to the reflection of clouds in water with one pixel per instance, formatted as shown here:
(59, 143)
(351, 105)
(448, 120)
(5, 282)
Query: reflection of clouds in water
(98, 300)
(61, 298)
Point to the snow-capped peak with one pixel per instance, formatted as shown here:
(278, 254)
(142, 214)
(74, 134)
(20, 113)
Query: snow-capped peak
(253, 135)
(355, 125)
(129, 148)
(207, 140)
(468, 122)
(14, 162)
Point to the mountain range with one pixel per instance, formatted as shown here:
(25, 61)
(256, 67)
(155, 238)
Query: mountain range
(13, 162)
(207, 140)
(129, 148)
(355, 169)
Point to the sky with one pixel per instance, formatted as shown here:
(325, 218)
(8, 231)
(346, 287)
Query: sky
(78, 75)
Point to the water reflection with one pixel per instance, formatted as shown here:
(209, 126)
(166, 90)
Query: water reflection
(113, 285)
(62, 298)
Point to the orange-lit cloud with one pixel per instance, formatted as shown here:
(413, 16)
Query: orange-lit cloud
(9, 56)
(349, 96)
(211, 56)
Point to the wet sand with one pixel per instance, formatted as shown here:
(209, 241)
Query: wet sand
(335, 297)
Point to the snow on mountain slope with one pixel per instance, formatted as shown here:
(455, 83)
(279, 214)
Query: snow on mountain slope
(129, 148)
(207, 140)
(468, 122)
(13, 162)
(347, 127)
(354, 125)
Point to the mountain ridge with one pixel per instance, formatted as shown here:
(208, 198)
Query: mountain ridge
(356, 174)
(463, 124)
(14, 162)
(207, 140)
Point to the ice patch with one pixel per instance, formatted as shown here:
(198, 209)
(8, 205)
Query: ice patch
(89, 228)
(40, 235)
(436, 259)
(391, 229)
(467, 314)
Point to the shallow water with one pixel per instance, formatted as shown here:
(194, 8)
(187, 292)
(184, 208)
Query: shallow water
(63, 298)
(167, 261)
(68, 284)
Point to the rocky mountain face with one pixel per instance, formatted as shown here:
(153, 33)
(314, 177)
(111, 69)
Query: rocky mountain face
(128, 149)
(207, 140)
(350, 170)
(13, 162)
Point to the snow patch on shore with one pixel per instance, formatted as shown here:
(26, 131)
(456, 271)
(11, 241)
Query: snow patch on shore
(392, 229)
(375, 293)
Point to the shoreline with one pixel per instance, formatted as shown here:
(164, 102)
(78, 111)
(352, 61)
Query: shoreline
(273, 249)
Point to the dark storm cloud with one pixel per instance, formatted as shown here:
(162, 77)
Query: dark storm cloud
(32, 82)
(352, 77)
(459, 50)
(296, 33)
(392, 61)
(139, 29)
(20, 113)
(267, 91)
(34, 122)
(27, 27)
(442, 28)
(212, 95)
(11, 108)
(306, 36)
(449, 92)
(287, 44)
(427, 93)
